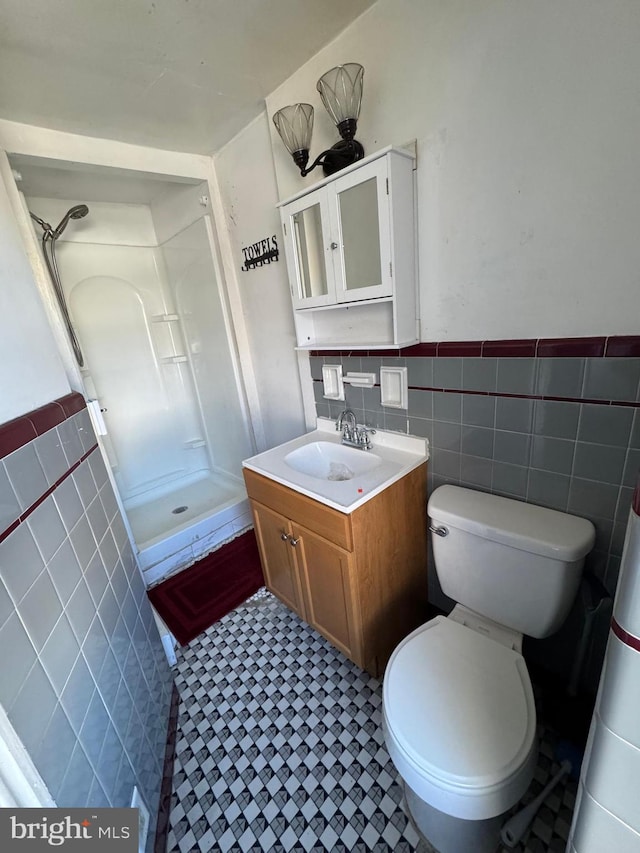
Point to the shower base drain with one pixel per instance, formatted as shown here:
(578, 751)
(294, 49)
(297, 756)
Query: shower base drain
(179, 509)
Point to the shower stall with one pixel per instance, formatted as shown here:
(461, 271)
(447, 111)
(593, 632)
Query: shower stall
(156, 353)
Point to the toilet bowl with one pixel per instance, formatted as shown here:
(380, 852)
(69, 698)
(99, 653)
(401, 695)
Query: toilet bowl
(459, 716)
(467, 747)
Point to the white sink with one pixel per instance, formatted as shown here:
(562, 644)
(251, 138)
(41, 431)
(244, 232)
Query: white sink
(325, 460)
(319, 466)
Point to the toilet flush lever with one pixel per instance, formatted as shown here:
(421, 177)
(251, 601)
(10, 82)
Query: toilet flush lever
(439, 531)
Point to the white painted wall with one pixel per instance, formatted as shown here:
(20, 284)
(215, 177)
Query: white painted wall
(527, 118)
(31, 372)
(249, 197)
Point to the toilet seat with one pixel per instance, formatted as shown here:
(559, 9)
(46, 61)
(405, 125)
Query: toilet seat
(459, 718)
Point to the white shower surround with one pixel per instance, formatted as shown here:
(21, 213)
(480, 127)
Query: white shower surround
(179, 431)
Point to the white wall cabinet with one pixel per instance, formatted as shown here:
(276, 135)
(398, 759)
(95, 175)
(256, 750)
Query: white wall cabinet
(350, 250)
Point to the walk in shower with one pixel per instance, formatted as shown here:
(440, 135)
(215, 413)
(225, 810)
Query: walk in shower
(145, 299)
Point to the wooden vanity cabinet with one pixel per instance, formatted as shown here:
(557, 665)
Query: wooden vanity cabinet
(359, 579)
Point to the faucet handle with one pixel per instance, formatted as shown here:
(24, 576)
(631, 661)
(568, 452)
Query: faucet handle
(362, 435)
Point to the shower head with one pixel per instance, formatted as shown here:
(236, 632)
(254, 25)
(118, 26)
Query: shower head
(75, 212)
(78, 211)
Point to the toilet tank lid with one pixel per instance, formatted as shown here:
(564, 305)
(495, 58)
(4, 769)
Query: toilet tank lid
(531, 528)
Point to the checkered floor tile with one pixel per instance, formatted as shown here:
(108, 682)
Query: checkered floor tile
(280, 748)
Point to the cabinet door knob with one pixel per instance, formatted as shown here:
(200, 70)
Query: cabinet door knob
(334, 246)
(284, 537)
(293, 542)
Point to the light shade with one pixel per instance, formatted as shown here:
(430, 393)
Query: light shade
(341, 91)
(295, 126)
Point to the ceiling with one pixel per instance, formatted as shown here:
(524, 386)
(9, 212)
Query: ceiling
(185, 75)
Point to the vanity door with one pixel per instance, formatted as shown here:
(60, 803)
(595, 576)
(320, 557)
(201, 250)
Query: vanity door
(360, 211)
(327, 575)
(273, 532)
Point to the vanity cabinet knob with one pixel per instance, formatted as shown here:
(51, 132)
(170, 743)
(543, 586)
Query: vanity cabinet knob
(293, 542)
(284, 537)
(334, 246)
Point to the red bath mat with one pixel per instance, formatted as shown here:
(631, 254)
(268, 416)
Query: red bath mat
(191, 601)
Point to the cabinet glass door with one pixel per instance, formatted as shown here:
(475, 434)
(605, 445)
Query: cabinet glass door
(308, 242)
(362, 212)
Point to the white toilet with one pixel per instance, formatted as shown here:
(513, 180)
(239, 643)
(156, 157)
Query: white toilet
(458, 709)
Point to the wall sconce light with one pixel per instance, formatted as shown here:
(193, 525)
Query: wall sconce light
(341, 93)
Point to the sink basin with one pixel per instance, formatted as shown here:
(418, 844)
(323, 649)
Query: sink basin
(317, 465)
(325, 460)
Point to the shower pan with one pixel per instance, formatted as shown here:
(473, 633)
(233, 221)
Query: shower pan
(149, 327)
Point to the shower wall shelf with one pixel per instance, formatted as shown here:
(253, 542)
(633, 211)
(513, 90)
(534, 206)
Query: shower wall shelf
(194, 443)
(164, 318)
(174, 359)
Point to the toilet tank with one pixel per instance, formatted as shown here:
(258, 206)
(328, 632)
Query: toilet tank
(513, 562)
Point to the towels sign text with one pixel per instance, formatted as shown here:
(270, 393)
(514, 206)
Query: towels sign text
(263, 252)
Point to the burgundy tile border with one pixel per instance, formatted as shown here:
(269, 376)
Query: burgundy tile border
(552, 399)
(460, 349)
(419, 351)
(13, 526)
(625, 637)
(509, 349)
(20, 431)
(47, 417)
(362, 353)
(72, 403)
(15, 434)
(23, 516)
(627, 346)
(166, 786)
(631, 404)
(635, 503)
(570, 347)
(617, 346)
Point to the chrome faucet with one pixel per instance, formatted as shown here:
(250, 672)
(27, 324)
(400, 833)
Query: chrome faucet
(347, 423)
(353, 433)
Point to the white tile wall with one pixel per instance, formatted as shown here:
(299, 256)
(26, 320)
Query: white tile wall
(26, 475)
(608, 802)
(9, 506)
(47, 528)
(51, 455)
(86, 685)
(20, 562)
(71, 444)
